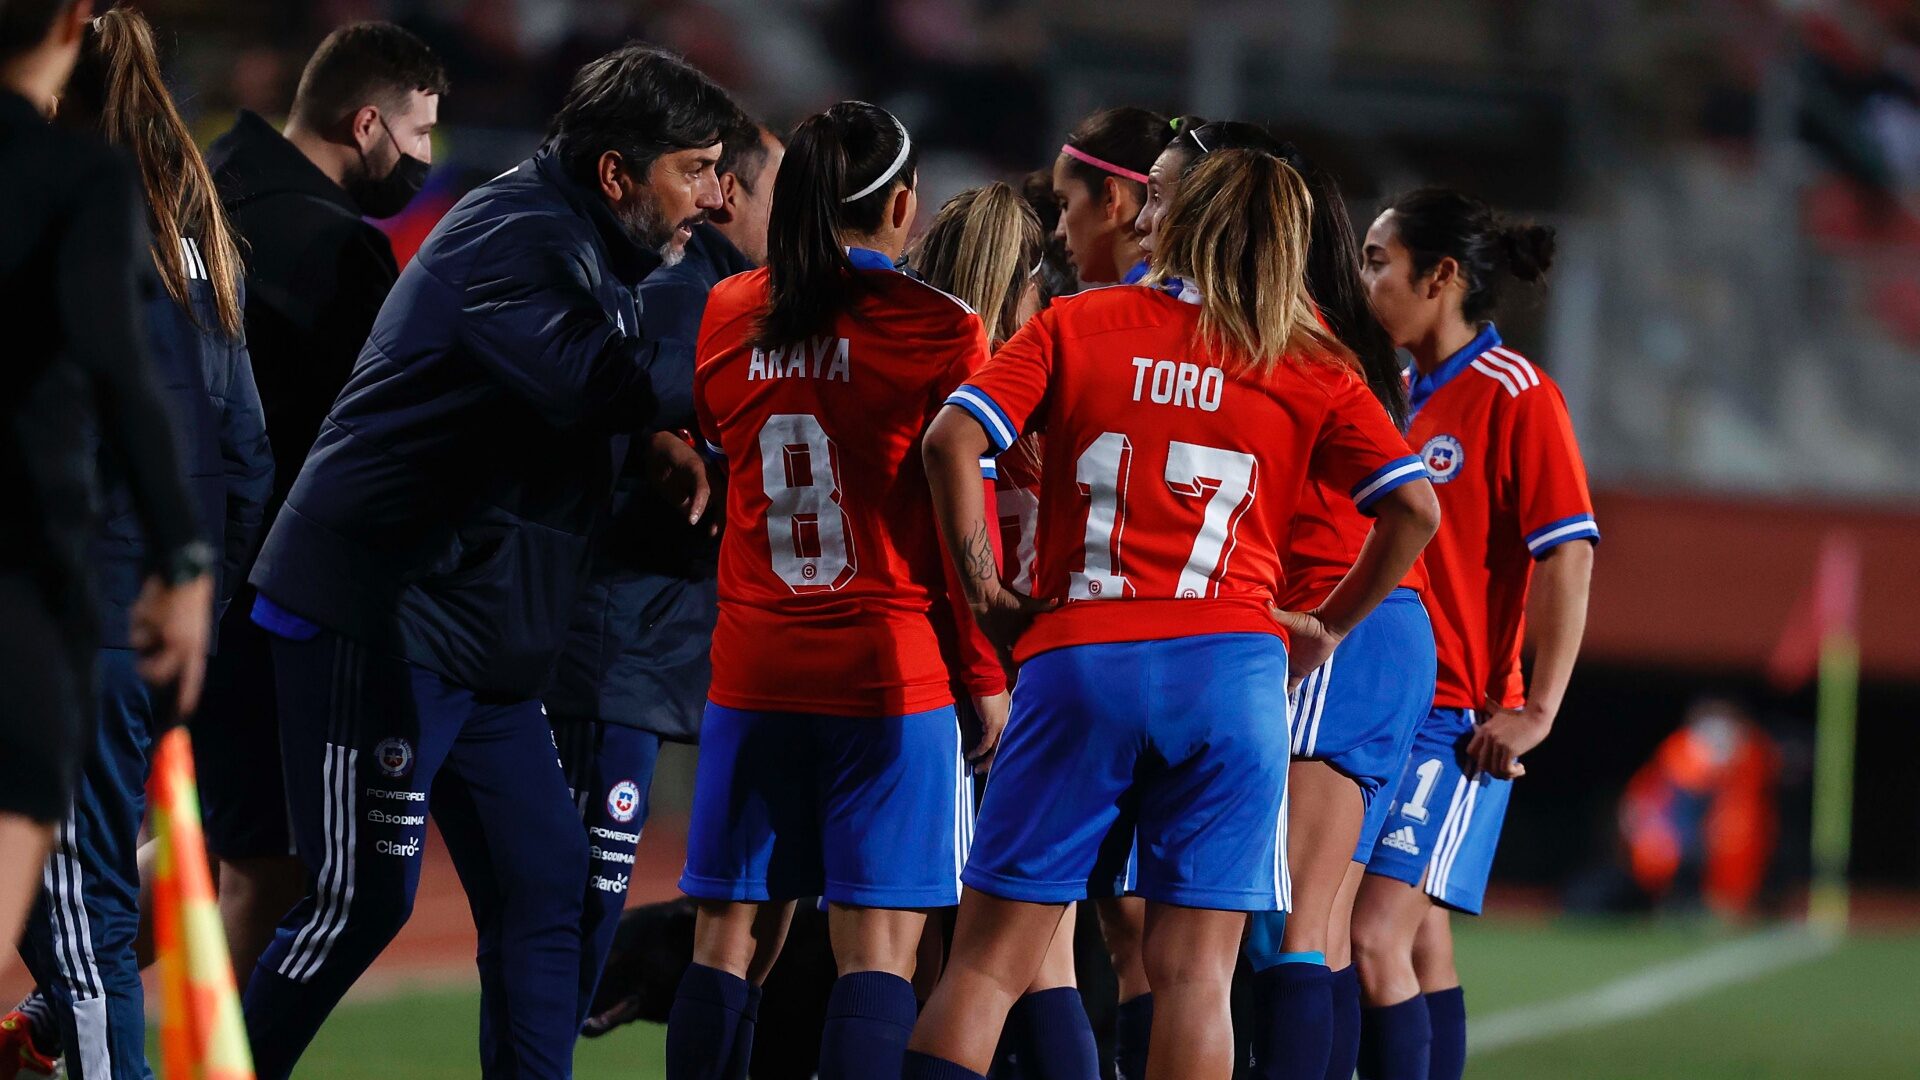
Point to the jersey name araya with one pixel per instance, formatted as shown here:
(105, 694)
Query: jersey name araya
(1494, 435)
(1168, 479)
(833, 585)
(822, 358)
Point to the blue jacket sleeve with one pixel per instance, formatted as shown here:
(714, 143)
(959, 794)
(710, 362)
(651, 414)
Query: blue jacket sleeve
(247, 458)
(670, 310)
(530, 317)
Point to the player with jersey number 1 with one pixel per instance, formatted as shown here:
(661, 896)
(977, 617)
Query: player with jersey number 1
(831, 761)
(1182, 418)
(1514, 554)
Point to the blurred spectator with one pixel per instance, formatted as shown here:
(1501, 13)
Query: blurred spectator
(1699, 822)
(1701, 815)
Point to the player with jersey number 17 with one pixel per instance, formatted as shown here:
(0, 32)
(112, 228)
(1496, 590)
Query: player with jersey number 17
(831, 761)
(1182, 418)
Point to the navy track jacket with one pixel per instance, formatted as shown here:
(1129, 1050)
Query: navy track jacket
(637, 654)
(445, 510)
(207, 379)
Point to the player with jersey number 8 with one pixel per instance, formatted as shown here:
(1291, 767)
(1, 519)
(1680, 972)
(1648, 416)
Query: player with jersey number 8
(1181, 419)
(831, 761)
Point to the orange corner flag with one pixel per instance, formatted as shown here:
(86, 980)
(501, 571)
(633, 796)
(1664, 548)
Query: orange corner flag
(201, 1034)
(1828, 611)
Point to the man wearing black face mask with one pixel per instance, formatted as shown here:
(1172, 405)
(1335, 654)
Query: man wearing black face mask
(357, 145)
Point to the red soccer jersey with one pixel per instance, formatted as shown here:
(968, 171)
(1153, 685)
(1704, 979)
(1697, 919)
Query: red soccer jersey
(1017, 499)
(1168, 484)
(1326, 537)
(1327, 534)
(832, 579)
(1498, 444)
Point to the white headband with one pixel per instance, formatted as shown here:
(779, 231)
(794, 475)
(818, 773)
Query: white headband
(906, 147)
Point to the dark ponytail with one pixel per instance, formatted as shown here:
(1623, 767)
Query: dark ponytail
(1333, 277)
(1436, 223)
(832, 155)
(1333, 254)
(1054, 273)
(1529, 250)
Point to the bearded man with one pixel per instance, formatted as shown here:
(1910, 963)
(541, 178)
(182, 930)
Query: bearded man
(419, 580)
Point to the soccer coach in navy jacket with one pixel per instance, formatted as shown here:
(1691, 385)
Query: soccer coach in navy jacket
(420, 578)
(635, 671)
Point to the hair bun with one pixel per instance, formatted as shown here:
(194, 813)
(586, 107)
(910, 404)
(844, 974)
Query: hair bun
(1529, 249)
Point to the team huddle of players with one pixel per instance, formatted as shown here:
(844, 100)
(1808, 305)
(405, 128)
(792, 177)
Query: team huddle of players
(1225, 606)
(1259, 594)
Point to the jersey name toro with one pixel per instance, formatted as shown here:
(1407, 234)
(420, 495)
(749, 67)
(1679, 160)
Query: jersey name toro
(1168, 480)
(1495, 437)
(832, 580)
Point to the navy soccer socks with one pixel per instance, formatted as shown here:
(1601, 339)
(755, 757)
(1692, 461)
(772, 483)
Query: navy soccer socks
(1054, 1038)
(1293, 1019)
(742, 1053)
(1394, 1041)
(710, 1030)
(1344, 1050)
(869, 1017)
(1447, 1015)
(1132, 1030)
(921, 1067)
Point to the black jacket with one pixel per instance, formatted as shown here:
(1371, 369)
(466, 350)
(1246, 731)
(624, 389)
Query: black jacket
(73, 359)
(444, 512)
(317, 274)
(637, 653)
(208, 383)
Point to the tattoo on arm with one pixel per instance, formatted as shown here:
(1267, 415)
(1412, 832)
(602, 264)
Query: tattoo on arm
(976, 556)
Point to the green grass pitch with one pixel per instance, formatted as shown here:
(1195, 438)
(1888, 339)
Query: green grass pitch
(1848, 1014)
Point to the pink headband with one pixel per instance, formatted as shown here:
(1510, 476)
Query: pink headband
(1078, 154)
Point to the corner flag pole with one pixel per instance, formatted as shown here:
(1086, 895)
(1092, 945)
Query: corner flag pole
(202, 1034)
(1836, 604)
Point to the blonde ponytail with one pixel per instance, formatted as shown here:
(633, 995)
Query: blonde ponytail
(981, 248)
(1238, 233)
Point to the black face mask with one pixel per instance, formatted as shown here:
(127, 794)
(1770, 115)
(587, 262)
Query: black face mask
(389, 194)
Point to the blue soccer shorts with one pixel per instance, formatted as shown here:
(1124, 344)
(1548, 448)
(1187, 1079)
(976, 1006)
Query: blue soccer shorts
(1182, 742)
(1443, 826)
(1359, 711)
(867, 811)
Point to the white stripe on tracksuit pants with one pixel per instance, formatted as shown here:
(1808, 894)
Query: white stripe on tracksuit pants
(369, 743)
(79, 940)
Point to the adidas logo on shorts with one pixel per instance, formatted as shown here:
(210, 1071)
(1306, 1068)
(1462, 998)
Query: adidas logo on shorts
(1402, 839)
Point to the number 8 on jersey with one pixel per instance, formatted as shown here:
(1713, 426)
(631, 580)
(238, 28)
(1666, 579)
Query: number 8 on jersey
(806, 526)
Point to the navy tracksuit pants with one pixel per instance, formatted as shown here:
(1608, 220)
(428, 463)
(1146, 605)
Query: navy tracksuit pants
(79, 939)
(609, 768)
(369, 743)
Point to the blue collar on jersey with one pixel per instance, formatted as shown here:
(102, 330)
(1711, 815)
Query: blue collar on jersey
(1180, 290)
(1133, 275)
(868, 259)
(1424, 386)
